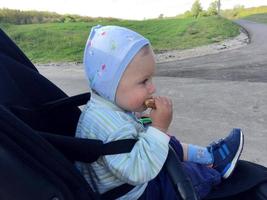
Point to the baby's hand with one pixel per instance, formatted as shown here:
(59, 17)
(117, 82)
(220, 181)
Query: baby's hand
(162, 115)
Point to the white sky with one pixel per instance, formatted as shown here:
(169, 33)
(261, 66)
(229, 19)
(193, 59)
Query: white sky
(125, 9)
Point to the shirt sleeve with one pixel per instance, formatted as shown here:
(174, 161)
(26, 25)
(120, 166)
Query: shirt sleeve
(146, 158)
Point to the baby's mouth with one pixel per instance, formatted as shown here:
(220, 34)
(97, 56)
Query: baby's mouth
(150, 103)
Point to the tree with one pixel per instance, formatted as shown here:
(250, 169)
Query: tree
(213, 8)
(196, 9)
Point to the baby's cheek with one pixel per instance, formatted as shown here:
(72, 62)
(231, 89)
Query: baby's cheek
(135, 103)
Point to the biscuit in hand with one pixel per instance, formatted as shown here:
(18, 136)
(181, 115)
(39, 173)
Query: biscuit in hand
(150, 103)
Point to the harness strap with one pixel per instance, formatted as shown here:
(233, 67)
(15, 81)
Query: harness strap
(117, 192)
(86, 150)
(78, 148)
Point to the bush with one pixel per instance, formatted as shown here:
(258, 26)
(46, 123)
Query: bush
(187, 14)
(203, 14)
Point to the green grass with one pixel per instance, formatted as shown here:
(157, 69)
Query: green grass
(241, 12)
(252, 11)
(56, 42)
(261, 18)
(256, 14)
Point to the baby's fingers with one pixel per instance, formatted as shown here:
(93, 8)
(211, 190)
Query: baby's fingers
(163, 101)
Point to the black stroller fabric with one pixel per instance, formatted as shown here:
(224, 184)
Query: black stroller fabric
(32, 169)
(25, 92)
(246, 178)
(37, 147)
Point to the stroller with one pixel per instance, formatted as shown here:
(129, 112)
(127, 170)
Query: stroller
(38, 147)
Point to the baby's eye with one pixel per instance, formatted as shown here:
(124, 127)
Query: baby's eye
(145, 81)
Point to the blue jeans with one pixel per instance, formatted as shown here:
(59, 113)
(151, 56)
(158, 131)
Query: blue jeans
(202, 177)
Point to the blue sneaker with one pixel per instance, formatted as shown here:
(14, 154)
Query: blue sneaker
(226, 152)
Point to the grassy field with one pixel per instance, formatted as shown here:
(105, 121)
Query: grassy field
(261, 18)
(257, 14)
(252, 11)
(56, 42)
(241, 12)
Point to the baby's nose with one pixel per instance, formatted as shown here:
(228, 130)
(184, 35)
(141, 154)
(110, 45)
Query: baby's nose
(152, 88)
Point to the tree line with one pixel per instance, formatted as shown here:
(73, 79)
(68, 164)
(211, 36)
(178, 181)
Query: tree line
(197, 10)
(214, 9)
(36, 17)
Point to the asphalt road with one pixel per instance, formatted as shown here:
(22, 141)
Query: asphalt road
(244, 64)
(211, 94)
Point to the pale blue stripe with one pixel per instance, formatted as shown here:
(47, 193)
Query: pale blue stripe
(222, 153)
(225, 148)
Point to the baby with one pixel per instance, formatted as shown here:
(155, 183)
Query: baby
(120, 65)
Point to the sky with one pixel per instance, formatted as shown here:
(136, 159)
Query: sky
(124, 9)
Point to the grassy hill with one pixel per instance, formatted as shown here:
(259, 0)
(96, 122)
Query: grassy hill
(241, 12)
(256, 14)
(54, 42)
(261, 18)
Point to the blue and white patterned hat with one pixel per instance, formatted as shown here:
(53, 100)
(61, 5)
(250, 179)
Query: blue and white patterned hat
(108, 51)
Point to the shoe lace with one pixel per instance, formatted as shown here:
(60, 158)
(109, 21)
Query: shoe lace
(215, 145)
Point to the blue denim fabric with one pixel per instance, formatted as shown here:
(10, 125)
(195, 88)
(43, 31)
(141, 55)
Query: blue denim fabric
(202, 177)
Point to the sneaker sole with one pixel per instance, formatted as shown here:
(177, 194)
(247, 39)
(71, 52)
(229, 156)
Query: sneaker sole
(234, 161)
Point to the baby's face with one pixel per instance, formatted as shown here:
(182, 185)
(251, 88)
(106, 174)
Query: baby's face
(136, 83)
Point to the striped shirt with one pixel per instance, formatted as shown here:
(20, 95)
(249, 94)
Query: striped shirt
(105, 121)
